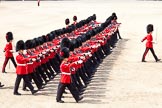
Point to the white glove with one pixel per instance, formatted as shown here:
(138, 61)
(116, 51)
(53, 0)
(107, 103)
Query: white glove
(80, 61)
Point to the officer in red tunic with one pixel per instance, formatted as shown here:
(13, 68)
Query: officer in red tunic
(149, 43)
(21, 69)
(8, 51)
(65, 80)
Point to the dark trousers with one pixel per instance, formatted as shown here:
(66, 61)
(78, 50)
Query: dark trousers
(26, 80)
(152, 51)
(36, 81)
(6, 61)
(61, 89)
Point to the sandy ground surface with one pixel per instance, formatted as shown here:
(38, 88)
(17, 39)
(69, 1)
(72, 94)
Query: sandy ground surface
(121, 81)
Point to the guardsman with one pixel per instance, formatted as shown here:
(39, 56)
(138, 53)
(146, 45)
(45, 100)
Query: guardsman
(31, 66)
(67, 22)
(21, 69)
(8, 51)
(75, 20)
(65, 81)
(149, 43)
(114, 21)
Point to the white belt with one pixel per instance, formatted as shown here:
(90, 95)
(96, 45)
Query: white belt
(30, 63)
(21, 64)
(64, 73)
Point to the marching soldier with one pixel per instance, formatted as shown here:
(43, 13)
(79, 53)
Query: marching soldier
(65, 80)
(114, 21)
(75, 20)
(21, 69)
(149, 43)
(8, 51)
(67, 22)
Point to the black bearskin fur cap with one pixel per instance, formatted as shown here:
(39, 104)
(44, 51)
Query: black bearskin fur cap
(44, 38)
(9, 36)
(36, 41)
(49, 36)
(64, 52)
(114, 16)
(67, 21)
(20, 45)
(74, 18)
(41, 41)
(72, 44)
(33, 43)
(150, 28)
(28, 44)
(94, 17)
(65, 42)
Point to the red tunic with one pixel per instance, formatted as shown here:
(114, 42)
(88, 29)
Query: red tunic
(8, 49)
(149, 41)
(21, 68)
(66, 72)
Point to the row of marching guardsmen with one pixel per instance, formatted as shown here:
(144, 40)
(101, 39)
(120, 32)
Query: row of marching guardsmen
(81, 59)
(75, 51)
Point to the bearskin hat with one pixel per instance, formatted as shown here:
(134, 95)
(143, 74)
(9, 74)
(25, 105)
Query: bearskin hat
(33, 43)
(83, 38)
(94, 17)
(28, 44)
(72, 44)
(41, 41)
(9, 36)
(36, 41)
(44, 38)
(88, 35)
(150, 28)
(79, 41)
(53, 34)
(49, 36)
(20, 45)
(67, 21)
(64, 52)
(78, 25)
(114, 16)
(74, 18)
(65, 42)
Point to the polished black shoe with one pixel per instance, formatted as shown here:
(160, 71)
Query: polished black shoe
(143, 61)
(4, 72)
(41, 87)
(52, 77)
(17, 93)
(158, 60)
(34, 91)
(1, 85)
(79, 99)
(60, 101)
